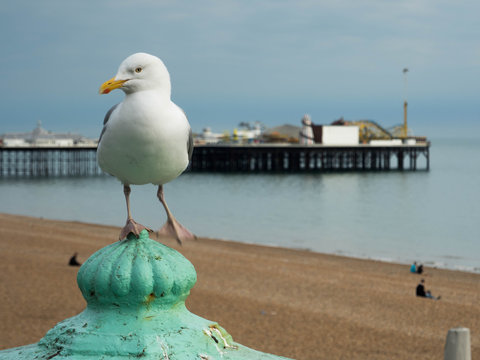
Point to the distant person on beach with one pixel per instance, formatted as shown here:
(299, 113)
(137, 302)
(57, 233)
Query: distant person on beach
(421, 289)
(73, 260)
(420, 269)
(413, 268)
(430, 296)
(421, 292)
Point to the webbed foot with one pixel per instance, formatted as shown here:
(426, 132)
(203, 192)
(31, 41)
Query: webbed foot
(173, 228)
(133, 227)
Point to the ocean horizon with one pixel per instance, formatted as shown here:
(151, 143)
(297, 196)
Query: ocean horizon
(426, 216)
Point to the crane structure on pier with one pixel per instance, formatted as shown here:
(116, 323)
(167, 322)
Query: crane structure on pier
(405, 104)
(371, 130)
(398, 131)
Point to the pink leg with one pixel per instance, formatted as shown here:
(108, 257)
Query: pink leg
(172, 227)
(131, 226)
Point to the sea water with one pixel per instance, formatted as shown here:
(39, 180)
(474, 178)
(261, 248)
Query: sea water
(425, 216)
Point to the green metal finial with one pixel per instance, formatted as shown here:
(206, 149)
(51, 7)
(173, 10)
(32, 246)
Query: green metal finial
(135, 273)
(135, 291)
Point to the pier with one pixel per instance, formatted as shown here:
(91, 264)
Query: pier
(309, 158)
(261, 158)
(48, 161)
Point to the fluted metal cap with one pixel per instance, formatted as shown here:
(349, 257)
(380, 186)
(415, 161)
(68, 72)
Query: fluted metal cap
(136, 272)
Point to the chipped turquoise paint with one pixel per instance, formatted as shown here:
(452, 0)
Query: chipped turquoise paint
(136, 291)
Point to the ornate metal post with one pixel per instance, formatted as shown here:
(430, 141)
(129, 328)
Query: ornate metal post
(135, 291)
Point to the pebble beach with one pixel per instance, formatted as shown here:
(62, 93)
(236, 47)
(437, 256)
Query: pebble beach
(297, 304)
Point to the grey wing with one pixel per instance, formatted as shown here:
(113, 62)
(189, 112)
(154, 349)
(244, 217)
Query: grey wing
(190, 138)
(190, 144)
(105, 120)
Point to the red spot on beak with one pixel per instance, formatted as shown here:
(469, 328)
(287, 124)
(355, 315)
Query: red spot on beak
(106, 91)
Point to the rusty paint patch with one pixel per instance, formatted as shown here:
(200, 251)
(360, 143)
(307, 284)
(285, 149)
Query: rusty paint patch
(150, 298)
(142, 354)
(52, 356)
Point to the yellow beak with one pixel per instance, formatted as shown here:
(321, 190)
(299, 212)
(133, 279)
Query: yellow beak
(110, 85)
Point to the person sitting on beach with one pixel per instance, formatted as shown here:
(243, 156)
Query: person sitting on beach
(73, 260)
(420, 269)
(413, 268)
(430, 296)
(421, 289)
(421, 292)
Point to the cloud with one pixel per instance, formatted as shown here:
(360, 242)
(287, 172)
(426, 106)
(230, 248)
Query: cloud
(240, 52)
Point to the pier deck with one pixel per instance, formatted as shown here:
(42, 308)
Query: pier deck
(81, 161)
(311, 158)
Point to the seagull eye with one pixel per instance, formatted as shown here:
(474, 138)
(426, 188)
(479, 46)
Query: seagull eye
(138, 70)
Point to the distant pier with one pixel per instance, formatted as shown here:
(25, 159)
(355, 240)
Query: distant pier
(311, 158)
(262, 158)
(48, 161)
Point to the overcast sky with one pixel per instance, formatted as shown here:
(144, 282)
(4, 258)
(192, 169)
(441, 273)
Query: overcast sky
(233, 61)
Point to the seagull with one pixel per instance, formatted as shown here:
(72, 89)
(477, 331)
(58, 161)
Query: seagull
(146, 138)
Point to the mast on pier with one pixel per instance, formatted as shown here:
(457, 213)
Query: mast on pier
(405, 104)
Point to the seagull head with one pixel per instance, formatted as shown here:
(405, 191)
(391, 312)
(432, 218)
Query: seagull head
(139, 72)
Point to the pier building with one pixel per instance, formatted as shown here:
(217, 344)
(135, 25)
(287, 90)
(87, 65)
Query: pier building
(39, 137)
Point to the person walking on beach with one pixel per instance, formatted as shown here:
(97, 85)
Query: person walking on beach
(413, 268)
